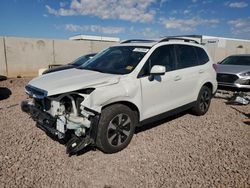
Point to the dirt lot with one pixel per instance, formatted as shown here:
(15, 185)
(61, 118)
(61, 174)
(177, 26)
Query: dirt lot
(185, 151)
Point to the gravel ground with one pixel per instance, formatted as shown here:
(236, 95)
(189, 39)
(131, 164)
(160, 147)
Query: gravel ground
(184, 151)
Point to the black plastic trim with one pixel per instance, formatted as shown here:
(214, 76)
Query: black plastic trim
(167, 39)
(90, 110)
(167, 114)
(137, 40)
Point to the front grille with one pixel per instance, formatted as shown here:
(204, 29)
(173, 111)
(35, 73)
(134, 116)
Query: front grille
(228, 78)
(35, 92)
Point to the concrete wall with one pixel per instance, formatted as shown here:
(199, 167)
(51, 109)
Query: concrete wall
(66, 51)
(25, 56)
(98, 46)
(3, 68)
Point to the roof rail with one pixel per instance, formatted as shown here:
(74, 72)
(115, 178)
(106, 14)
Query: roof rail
(187, 36)
(178, 38)
(137, 40)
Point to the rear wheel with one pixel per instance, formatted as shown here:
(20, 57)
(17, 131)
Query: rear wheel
(203, 101)
(116, 128)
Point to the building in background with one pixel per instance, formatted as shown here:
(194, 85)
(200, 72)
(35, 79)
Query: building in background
(220, 47)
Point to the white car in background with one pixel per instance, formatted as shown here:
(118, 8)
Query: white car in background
(124, 86)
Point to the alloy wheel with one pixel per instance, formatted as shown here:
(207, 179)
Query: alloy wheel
(119, 129)
(204, 101)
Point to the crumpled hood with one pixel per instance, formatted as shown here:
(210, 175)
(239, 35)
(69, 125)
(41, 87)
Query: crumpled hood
(232, 69)
(72, 80)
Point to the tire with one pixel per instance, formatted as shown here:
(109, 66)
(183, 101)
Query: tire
(203, 101)
(116, 128)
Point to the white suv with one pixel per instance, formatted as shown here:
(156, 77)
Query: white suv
(101, 102)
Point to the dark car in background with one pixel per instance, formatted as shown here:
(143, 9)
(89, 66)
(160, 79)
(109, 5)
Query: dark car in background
(234, 72)
(78, 62)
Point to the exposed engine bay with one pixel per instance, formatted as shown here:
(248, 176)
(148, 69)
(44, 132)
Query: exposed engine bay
(63, 116)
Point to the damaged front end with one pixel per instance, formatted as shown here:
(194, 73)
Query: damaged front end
(63, 116)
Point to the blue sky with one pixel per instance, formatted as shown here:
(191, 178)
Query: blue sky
(125, 19)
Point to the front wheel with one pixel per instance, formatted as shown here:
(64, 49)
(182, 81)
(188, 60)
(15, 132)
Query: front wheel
(116, 128)
(203, 101)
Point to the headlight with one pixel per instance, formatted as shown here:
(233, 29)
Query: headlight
(242, 81)
(245, 74)
(35, 92)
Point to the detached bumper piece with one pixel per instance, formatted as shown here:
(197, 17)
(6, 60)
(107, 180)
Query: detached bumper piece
(76, 144)
(239, 98)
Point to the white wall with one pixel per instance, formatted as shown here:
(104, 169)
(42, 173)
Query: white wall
(25, 56)
(3, 70)
(226, 47)
(66, 51)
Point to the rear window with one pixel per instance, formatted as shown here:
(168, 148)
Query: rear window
(187, 56)
(202, 56)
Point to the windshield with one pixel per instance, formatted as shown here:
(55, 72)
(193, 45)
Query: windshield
(236, 60)
(79, 61)
(116, 60)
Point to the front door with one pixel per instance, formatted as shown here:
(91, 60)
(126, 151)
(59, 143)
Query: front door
(158, 95)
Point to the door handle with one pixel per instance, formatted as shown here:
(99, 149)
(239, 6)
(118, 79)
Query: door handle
(177, 78)
(201, 71)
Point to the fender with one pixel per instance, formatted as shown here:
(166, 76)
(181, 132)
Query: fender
(127, 91)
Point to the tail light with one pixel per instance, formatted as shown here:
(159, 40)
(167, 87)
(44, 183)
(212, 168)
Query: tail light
(215, 66)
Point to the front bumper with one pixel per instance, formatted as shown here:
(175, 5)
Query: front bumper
(233, 81)
(44, 121)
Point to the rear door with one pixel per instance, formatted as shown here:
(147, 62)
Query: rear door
(189, 72)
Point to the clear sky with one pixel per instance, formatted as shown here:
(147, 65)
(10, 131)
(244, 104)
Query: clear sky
(124, 18)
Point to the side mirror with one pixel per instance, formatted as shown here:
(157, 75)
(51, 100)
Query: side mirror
(157, 70)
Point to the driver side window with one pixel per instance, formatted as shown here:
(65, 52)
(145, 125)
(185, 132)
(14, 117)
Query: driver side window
(163, 55)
